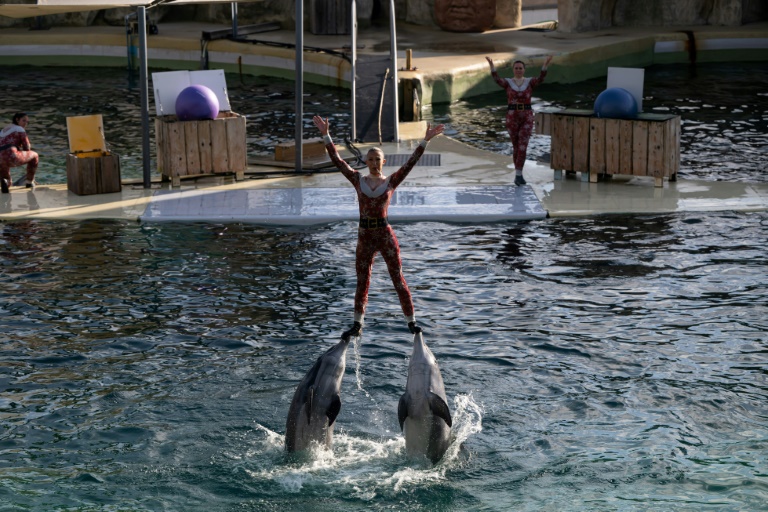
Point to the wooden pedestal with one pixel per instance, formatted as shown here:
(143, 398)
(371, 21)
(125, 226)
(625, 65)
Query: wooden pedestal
(646, 146)
(93, 174)
(310, 148)
(194, 148)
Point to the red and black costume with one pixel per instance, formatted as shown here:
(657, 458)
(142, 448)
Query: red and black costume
(15, 151)
(374, 233)
(519, 120)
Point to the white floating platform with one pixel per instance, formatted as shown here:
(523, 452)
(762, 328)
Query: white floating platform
(305, 206)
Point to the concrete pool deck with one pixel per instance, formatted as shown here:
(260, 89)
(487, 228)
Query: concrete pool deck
(469, 185)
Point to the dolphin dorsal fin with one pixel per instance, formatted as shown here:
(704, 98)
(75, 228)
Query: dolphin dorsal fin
(333, 409)
(308, 398)
(439, 408)
(402, 410)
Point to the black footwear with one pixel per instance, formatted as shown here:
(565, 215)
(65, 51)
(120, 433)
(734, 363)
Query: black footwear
(415, 329)
(31, 184)
(355, 330)
(519, 180)
(4, 186)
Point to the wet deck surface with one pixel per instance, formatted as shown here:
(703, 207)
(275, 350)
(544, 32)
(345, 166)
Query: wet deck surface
(468, 185)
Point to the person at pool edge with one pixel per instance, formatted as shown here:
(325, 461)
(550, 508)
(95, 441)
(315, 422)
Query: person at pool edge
(519, 120)
(374, 191)
(15, 150)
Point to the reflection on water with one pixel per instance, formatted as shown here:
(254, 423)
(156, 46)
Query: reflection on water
(724, 121)
(591, 364)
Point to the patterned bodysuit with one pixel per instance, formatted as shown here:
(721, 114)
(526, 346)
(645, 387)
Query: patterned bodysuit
(18, 154)
(373, 205)
(519, 123)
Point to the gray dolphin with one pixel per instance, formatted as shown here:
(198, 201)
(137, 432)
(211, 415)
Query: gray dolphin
(423, 409)
(317, 401)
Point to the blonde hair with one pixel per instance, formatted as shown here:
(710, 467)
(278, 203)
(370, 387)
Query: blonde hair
(375, 150)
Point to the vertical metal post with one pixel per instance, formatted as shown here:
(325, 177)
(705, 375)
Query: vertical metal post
(234, 20)
(299, 83)
(144, 90)
(353, 77)
(393, 55)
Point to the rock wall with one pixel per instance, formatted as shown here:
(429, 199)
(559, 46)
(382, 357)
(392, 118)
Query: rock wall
(589, 15)
(573, 15)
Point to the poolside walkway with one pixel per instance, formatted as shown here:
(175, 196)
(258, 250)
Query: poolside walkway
(468, 185)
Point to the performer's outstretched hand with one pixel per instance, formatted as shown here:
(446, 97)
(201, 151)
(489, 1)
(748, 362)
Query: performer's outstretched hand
(433, 132)
(490, 63)
(322, 124)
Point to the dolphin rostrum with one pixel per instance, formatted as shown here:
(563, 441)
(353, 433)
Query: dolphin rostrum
(423, 409)
(317, 401)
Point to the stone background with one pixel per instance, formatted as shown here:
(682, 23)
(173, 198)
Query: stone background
(573, 15)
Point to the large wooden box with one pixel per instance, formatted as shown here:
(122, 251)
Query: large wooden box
(93, 174)
(310, 148)
(648, 145)
(194, 148)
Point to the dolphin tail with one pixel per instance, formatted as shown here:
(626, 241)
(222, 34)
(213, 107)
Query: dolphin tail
(439, 408)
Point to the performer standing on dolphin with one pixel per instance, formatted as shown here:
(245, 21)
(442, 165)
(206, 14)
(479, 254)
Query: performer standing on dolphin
(519, 121)
(374, 191)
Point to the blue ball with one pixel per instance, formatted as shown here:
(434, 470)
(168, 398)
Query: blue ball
(616, 103)
(196, 103)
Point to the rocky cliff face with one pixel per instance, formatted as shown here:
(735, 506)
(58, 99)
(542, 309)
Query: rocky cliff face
(589, 15)
(573, 15)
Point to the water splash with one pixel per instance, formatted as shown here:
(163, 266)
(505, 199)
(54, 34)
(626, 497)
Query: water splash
(358, 378)
(467, 420)
(369, 467)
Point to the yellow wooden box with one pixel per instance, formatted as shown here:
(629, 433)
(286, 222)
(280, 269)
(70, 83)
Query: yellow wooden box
(91, 169)
(194, 148)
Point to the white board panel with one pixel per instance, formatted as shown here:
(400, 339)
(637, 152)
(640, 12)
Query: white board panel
(630, 79)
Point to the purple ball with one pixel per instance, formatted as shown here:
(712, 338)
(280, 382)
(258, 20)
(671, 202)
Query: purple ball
(195, 103)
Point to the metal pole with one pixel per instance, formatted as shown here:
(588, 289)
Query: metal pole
(353, 78)
(234, 20)
(144, 89)
(393, 54)
(299, 82)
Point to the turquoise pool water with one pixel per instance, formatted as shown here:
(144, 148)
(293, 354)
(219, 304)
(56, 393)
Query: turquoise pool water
(591, 364)
(597, 364)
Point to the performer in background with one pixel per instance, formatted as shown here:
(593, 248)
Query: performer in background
(374, 192)
(15, 150)
(519, 121)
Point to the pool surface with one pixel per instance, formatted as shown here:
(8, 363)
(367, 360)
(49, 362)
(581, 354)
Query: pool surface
(610, 363)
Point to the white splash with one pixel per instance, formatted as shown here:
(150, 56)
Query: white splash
(367, 466)
(358, 378)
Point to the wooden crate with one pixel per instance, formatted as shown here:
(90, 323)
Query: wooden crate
(646, 146)
(194, 148)
(93, 174)
(310, 148)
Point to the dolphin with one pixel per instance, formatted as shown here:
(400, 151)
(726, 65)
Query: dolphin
(423, 409)
(317, 401)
